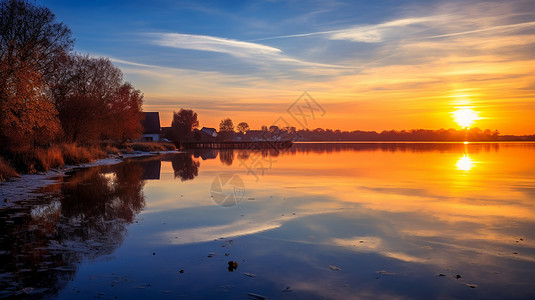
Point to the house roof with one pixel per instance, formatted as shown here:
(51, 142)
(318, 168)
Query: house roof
(209, 131)
(151, 123)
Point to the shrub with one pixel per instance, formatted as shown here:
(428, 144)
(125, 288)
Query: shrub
(50, 158)
(6, 170)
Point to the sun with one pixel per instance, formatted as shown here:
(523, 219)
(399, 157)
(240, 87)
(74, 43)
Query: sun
(465, 117)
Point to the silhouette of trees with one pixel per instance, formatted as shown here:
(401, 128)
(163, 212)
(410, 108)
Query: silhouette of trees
(242, 127)
(184, 121)
(226, 125)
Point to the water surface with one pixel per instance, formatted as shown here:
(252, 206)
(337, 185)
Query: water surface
(317, 221)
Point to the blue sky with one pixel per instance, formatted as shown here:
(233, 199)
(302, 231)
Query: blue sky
(372, 65)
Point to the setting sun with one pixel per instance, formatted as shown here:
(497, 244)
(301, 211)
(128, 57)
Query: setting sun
(465, 117)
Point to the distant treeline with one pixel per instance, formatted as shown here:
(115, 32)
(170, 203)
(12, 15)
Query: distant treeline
(319, 134)
(50, 94)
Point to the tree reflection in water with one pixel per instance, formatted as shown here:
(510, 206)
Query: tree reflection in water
(184, 166)
(86, 216)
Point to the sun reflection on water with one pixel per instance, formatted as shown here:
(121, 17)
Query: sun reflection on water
(465, 163)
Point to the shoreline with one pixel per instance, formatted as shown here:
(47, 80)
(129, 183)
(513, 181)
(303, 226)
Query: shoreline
(15, 190)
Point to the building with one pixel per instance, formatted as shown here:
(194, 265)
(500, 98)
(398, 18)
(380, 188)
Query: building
(151, 127)
(206, 134)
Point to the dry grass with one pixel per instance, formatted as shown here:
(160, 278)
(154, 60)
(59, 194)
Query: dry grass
(109, 149)
(59, 155)
(6, 170)
(51, 158)
(74, 154)
(151, 146)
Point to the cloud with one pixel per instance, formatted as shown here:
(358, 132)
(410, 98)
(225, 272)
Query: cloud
(494, 29)
(213, 44)
(380, 32)
(364, 33)
(253, 52)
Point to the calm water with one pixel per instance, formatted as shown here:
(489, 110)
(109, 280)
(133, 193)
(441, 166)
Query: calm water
(318, 221)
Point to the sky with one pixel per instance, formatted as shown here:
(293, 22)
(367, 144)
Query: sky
(364, 65)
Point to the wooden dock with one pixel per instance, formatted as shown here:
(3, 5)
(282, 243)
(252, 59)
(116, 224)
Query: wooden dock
(253, 145)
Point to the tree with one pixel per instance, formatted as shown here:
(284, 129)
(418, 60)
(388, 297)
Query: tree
(183, 123)
(127, 114)
(86, 92)
(226, 125)
(31, 43)
(242, 127)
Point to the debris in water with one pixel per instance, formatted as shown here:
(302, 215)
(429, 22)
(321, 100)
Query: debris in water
(181, 271)
(227, 254)
(471, 285)
(232, 265)
(521, 239)
(457, 276)
(256, 296)
(211, 254)
(287, 289)
(441, 275)
(153, 253)
(334, 268)
(515, 252)
(249, 274)
(385, 272)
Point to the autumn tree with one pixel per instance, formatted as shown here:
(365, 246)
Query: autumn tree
(31, 43)
(184, 121)
(94, 103)
(126, 113)
(242, 127)
(226, 125)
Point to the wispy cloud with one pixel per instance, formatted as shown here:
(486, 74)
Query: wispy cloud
(493, 29)
(364, 33)
(253, 52)
(213, 44)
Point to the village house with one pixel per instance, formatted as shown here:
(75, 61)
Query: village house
(151, 127)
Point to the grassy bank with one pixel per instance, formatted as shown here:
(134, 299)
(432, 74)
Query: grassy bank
(27, 162)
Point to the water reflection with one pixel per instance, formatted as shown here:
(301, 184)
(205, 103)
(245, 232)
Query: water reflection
(184, 166)
(84, 217)
(388, 217)
(464, 163)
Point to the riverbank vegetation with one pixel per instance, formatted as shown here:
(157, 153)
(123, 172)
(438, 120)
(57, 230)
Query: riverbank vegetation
(57, 106)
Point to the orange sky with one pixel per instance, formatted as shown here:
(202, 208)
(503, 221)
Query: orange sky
(401, 65)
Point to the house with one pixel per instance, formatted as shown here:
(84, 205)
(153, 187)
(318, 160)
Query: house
(206, 134)
(151, 127)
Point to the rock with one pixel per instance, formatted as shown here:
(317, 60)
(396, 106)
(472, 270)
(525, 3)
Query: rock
(256, 296)
(232, 265)
(334, 268)
(287, 289)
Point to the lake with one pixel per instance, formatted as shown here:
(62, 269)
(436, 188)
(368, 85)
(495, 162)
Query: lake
(316, 221)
